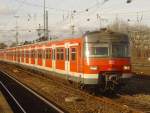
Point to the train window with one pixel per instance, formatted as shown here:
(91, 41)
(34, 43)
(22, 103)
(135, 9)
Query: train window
(39, 54)
(119, 51)
(60, 54)
(36, 53)
(43, 54)
(53, 54)
(57, 55)
(58, 51)
(48, 54)
(19, 53)
(32, 53)
(98, 51)
(73, 54)
(27, 54)
(22, 53)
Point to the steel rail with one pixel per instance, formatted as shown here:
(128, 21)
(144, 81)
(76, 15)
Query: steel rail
(59, 110)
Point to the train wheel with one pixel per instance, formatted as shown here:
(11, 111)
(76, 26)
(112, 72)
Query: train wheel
(106, 85)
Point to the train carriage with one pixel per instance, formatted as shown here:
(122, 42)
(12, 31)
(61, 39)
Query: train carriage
(99, 58)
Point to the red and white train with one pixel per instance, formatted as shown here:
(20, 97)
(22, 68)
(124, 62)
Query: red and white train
(99, 58)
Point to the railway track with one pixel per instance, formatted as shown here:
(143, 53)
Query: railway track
(141, 68)
(121, 105)
(132, 103)
(24, 100)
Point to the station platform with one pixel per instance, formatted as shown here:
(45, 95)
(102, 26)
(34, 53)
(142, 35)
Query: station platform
(4, 106)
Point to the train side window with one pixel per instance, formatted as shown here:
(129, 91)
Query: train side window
(39, 54)
(36, 53)
(22, 54)
(48, 54)
(73, 54)
(58, 54)
(53, 54)
(67, 54)
(27, 54)
(43, 54)
(62, 54)
(32, 53)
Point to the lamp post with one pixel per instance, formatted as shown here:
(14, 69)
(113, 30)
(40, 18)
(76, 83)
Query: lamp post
(44, 19)
(17, 33)
(129, 1)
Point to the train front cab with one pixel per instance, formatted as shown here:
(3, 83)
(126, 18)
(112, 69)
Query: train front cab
(106, 59)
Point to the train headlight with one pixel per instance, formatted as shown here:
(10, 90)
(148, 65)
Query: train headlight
(94, 68)
(126, 67)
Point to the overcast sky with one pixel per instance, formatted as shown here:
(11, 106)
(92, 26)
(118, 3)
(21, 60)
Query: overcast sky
(87, 15)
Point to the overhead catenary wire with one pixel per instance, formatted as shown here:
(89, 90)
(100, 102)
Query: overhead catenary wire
(79, 14)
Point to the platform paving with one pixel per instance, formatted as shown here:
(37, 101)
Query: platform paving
(4, 106)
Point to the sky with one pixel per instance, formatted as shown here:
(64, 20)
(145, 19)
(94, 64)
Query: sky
(82, 14)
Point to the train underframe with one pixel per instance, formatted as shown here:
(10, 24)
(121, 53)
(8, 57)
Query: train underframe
(108, 81)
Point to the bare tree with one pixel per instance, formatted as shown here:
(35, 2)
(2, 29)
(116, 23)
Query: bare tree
(3, 45)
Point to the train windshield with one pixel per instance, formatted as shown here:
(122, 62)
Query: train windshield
(96, 50)
(106, 44)
(120, 51)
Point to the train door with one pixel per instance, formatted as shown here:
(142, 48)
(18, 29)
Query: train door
(48, 57)
(44, 57)
(29, 55)
(53, 58)
(22, 60)
(14, 55)
(33, 56)
(20, 55)
(40, 51)
(67, 62)
(74, 58)
(24, 51)
(36, 55)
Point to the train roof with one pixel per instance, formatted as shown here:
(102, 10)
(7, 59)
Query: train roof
(107, 36)
(102, 36)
